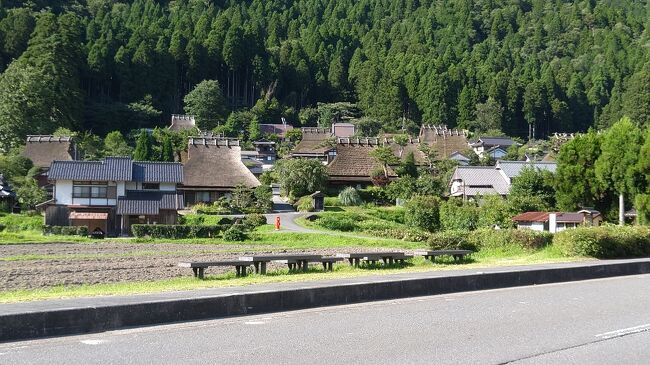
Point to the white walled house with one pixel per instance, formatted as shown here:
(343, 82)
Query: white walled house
(109, 196)
(557, 221)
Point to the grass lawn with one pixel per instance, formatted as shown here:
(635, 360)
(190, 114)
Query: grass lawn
(483, 259)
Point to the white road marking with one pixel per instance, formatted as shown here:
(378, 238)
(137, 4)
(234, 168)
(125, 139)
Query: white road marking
(92, 342)
(624, 331)
(254, 322)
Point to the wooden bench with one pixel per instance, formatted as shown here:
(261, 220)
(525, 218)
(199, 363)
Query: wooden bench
(260, 261)
(372, 257)
(327, 262)
(431, 254)
(199, 267)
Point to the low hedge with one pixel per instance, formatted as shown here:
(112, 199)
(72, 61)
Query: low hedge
(235, 233)
(607, 241)
(177, 231)
(254, 220)
(66, 230)
(489, 239)
(411, 235)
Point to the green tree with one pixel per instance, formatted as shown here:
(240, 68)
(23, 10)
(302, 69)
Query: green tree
(384, 155)
(167, 149)
(615, 168)
(408, 167)
(534, 183)
(115, 145)
(207, 104)
(575, 177)
(300, 177)
(143, 147)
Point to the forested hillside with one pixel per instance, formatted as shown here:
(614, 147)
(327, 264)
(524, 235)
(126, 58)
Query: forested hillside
(102, 65)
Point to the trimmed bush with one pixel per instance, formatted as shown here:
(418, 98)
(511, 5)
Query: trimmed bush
(235, 233)
(604, 242)
(490, 239)
(350, 197)
(65, 230)
(203, 220)
(338, 221)
(375, 195)
(423, 212)
(388, 214)
(176, 231)
(254, 220)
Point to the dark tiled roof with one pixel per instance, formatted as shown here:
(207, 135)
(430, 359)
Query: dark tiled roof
(216, 165)
(504, 142)
(42, 150)
(116, 169)
(157, 172)
(148, 202)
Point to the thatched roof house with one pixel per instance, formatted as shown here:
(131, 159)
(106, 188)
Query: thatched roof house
(182, 122)
(315, 143)
(213, 169)
(444, 140)
(353, 163)
(42, 150)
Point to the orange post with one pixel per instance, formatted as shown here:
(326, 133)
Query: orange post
(277, 223)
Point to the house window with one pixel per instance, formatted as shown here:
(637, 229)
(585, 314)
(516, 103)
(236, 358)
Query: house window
(202, 196)
(89, 189)
(150, 186)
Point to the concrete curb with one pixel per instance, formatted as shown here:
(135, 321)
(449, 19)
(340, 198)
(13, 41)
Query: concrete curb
(68, 321)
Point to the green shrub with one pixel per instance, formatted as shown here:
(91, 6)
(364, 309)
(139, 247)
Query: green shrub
(405, 234)
(338, 221)
(423, 212)
(22, 222)
(604, 242)
(235, 233)
(305, 204)
(452, 240)
(66, 230)
(252, 221)
(332, 201)
(203, 220)
(215, 209)
(375, 195)
(176, 231)
(350, 197)
(458, 215)
(393, 214)
(2, 227)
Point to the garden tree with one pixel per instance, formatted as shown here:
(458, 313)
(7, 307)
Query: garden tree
(533, 183)
(401, 140)
(408, 167)
(308, 117)
(430, 154)
(143, 147)
(616, 167)
(385, 157)
(167, 149)
(300, 177)
(89, 146)
(495, 212)
(207, 104)
(329, 113)
(575, 177)
(28, 192)
(423, 212)
(456, 214)
(237, 125)
(263, 198)
(642, 206)
(14, 166)
(293, 135)
(254, 132)
(115, 145)
(368, 127)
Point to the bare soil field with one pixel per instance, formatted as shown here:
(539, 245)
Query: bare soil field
(34, 266)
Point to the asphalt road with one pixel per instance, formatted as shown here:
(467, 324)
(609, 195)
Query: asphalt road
(591, 322)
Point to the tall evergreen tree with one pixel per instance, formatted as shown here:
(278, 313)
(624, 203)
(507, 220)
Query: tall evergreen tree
(143, 147)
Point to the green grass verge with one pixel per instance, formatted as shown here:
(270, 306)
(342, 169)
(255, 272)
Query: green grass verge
(418, 264)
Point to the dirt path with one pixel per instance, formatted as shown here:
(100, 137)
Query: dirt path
(46, 265)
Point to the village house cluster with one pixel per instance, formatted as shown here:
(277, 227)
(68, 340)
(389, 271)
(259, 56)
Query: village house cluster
(110, 195)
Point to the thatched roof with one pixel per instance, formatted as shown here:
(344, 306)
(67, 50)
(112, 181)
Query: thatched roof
(445, 141)
(182, 122)
(353, 162)
(313, 143)
(216, 163)
(42, 150)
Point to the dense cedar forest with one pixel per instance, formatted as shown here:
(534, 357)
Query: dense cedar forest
(105, 65)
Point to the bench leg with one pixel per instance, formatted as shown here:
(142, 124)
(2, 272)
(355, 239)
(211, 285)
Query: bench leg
(351, 261)
(305, 266)
(385, 260)
(263, 268)
(391, 261)
(201, 272)
(257, 267)
(330, 266)
(433, 258)
(195, 271)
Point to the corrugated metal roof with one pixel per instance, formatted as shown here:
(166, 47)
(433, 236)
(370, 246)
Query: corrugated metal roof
(148, 202)
(531, 217)
(514, 168)
(481, 179)
(117, 169)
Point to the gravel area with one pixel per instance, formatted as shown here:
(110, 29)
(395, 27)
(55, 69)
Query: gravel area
(74, 264)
